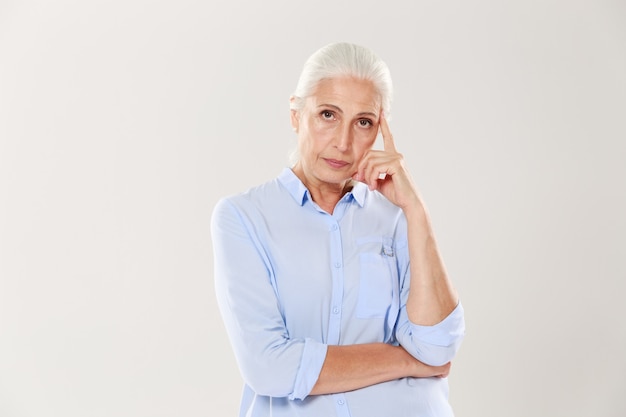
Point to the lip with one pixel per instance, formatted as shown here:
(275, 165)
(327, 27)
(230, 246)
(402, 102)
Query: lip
(335, 163)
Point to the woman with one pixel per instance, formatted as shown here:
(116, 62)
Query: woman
(328, 278)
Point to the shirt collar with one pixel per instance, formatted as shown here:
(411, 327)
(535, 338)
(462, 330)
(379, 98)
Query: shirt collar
(359, 190)
(300, 193)
(293, 185)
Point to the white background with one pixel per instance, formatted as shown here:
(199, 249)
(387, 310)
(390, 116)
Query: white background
(123, 122)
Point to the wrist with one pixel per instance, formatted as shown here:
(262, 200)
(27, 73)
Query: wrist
(408, 366)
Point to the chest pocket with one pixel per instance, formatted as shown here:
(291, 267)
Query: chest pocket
(378, 278)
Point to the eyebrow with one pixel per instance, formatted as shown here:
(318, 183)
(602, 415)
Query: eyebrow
(363, 113)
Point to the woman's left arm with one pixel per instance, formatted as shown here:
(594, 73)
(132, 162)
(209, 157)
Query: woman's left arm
(432, 297)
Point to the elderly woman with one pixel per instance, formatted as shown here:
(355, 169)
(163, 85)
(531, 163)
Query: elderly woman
(329, 280)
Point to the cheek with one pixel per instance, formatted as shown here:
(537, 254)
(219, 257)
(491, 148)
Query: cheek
(365, 142)
(361, 147)
(322, 128)
(312, 139)
(319, 133)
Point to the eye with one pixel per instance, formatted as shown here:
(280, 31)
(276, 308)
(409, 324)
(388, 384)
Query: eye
(365, 123)
(327, 114)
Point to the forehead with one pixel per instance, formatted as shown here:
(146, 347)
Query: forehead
(350, 94)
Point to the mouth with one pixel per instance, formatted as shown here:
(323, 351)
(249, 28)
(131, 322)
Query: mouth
(335, 163)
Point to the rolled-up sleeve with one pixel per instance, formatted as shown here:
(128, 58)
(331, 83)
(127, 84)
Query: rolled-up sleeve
(271, 363)
(434, 345)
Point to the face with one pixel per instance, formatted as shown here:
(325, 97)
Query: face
(338, 124)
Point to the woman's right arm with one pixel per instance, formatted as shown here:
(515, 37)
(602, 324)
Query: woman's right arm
(270, 361)
(351, 367)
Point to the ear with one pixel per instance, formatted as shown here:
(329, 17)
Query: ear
(295, 120)
(295, 116)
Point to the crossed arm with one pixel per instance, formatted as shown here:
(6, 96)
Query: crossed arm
(351, 367)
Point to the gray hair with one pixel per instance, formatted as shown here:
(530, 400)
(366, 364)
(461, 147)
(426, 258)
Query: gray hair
(343, 60)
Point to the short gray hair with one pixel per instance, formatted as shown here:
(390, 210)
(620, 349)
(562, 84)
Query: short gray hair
(344, 60)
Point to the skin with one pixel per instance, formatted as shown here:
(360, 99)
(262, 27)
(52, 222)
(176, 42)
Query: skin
(337, 128)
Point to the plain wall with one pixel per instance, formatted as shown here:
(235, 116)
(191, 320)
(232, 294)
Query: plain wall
(123, 122)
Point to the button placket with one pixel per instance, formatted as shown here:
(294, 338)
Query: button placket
(336, 266)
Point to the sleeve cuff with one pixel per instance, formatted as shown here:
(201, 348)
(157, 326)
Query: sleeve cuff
(313, 357)
(433, 345)
(445, 333)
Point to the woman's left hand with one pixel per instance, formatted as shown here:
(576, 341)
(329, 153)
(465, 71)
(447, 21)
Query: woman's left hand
(385, 171)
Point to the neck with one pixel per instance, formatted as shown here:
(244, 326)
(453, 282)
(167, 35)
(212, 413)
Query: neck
(326, 195)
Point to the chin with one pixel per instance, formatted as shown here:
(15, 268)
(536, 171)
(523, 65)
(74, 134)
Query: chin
(336, 178)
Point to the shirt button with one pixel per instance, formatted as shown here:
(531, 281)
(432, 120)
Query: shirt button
(336, 310)
(340, 402)
(333, 227)
(337, 264)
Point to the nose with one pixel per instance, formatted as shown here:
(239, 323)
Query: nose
(343, 140)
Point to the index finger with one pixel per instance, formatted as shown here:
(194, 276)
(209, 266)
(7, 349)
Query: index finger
(388, 143)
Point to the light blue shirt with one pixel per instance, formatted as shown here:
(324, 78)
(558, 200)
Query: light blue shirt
(292, 279)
